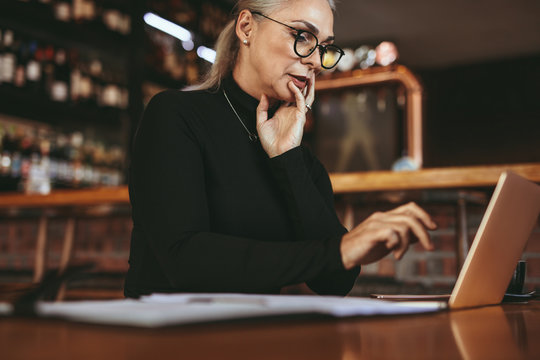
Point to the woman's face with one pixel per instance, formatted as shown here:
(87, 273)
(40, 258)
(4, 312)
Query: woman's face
(270, 61)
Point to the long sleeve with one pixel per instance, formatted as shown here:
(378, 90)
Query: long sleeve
(175, 246)
(310, 202)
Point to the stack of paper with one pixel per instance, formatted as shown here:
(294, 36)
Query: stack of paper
(175, 309)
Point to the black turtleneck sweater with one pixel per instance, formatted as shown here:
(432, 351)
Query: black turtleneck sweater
(213, 213)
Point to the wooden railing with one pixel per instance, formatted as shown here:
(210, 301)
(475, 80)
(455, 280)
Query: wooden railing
(436, 178)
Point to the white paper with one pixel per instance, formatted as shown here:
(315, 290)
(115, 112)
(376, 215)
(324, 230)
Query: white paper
(176, 309)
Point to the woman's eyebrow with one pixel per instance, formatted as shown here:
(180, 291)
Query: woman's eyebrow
(314, 29)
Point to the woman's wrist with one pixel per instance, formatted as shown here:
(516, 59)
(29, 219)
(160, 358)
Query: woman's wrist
(347, 261)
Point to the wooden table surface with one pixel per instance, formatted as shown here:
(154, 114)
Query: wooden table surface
(495, 332)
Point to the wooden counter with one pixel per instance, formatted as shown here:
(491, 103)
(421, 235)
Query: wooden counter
(451, 177)
(436, 178)
(495, 332)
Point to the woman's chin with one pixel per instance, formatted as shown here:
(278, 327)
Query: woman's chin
(282, 94)
(287, 96)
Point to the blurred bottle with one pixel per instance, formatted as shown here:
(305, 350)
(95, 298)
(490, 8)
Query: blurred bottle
(75, 76)
(116, 20)
(9, 59)
(1, 53)
(19, 80)
(33, 68)
(60, 84)
(6, 159)
(85, 87)
(75, 158)
(94, 78)
(48, 70)
(16, 156)
(78, 11)
(26, 150)
(62, 10)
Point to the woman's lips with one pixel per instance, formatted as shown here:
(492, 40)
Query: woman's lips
(299, 81)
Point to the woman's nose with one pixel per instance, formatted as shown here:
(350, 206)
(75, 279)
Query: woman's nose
(314, 60)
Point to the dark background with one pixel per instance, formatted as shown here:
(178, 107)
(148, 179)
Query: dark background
(479, 62)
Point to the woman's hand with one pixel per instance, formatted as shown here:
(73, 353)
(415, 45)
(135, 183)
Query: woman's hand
(285, 129)
(384, 232)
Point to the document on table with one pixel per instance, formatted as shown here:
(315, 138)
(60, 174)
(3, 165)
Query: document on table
(177, 309)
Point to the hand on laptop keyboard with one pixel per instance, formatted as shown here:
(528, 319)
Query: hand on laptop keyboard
(385, 232)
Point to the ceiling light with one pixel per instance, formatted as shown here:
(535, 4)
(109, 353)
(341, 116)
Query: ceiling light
(206, 54)
(167, 26)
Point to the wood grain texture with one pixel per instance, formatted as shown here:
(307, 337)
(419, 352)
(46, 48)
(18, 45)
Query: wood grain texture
(60, 198)
(501, 332)
(436, 178)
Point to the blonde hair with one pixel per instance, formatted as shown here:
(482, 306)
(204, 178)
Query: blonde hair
(227, 44)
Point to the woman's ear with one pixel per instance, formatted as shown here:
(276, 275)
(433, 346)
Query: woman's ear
(244, 26)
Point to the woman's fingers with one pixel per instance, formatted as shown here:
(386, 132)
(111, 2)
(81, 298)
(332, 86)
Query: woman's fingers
(408, 224)
(299, 98)
(416, 211)
(262, 110)
(385, 232)
(310, 97)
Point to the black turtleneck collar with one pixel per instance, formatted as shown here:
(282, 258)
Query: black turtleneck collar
(241, 100)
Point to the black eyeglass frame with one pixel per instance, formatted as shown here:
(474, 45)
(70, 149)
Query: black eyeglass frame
(322, 48)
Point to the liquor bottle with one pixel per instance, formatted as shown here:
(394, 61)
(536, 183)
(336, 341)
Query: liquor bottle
(33, 68)
(60, 85)
(112, 18)
(64, 173)
(1, 54)
(5, 156)
(89, 11)
(9, 59)
(48, 69)
(3, 163)
(19, 80)
(75, 158)
(78, 11)
(53, 159)
(87, 175)
(75, 76)
(16, 156)
(124, 26)
(26, 149)
(62, 10)
(110, 95)
(85, 87)
(95, 74)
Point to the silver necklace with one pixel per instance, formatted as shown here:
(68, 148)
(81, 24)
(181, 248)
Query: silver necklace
(252, 137)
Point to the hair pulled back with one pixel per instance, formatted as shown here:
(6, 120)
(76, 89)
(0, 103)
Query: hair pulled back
(228, 44)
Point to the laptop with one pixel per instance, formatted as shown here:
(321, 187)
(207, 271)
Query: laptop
(503, 233)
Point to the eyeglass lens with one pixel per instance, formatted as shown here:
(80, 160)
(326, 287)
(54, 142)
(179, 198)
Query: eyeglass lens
(306, 43)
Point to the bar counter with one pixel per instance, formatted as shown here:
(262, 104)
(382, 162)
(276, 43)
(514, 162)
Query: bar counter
(494, 332)
(434, 178)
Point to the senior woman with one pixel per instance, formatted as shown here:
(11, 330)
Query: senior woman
(224, 197)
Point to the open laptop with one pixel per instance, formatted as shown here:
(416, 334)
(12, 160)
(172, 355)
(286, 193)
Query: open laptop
(503, 233)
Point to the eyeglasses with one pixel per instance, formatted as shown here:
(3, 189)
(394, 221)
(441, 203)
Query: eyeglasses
(305, 43)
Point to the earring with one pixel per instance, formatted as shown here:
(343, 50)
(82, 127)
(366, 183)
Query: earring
(245, 42)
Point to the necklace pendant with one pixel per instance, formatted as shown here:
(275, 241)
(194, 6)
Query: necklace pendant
(253, 137)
